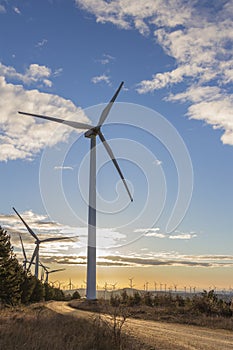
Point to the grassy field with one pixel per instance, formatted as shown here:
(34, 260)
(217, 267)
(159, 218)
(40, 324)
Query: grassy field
(37, 328)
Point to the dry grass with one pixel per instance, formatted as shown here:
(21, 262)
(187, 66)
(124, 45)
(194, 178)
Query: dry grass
(37, 328)
(162, 314)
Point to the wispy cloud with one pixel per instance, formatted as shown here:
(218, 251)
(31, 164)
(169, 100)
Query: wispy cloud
(182, 235)
(63, 168)
(101, 79)
(198, 36)
(138, 261)
(58, 72)
(42, 43)
(73, 252)
(17, 10)
(106, 59)
(2, 9)
(155, 232)
(158, 162)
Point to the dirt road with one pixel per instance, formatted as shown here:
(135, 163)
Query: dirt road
(164, 336)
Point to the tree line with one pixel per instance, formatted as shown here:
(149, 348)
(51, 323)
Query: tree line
(18, 286)
(207, 303)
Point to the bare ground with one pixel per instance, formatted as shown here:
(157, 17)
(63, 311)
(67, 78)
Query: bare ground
(161, 335)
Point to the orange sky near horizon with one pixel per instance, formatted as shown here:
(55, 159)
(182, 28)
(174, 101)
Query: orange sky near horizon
(199, 277)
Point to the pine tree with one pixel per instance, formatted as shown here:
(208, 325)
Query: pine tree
(27, 287)
(11, 273)
(38, 293)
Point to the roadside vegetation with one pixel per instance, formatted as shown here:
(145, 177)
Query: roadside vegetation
(36, 327)
(204, 309)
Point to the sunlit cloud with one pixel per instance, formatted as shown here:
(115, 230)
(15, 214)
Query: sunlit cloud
(197, 37)
(23, 137)
(73, 251)
(33, 74)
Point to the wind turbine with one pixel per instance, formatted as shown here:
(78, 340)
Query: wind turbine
(114, 286)
(92, 132)
(24, 254)
(70, 284)
(131, 285)
(25, 261)
(47, 272)
(38, 242)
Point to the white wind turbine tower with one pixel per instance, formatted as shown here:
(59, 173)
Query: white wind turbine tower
(38, 241)
(92, 132)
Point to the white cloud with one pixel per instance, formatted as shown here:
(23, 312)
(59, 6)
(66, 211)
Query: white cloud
(156, 235)
(23, 137)
(155, 232)
(106, 59)
(151, 232)
(33, 74)
(198, 36)
(147, 230)
(183, 235)
(101, 78)
(158, 162)
(16, 9)
(63, 168)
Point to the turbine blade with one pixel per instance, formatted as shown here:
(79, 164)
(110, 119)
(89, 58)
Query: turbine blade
(55, 239)
(28, 228)
(43, 266)
(33, 256)
(75, 125)
(56, 270)
(24, 253)
(107, 109)
(108, 149)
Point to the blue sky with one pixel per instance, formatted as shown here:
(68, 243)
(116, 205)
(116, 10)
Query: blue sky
(61, 58)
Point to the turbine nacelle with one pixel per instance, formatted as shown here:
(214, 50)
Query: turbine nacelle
(92, 132)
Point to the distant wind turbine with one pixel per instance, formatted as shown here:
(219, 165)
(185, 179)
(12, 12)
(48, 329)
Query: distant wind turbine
(131, 285)
(114, 286)
(47, 272)
(38, 241)
(92, 133)
(70, 285)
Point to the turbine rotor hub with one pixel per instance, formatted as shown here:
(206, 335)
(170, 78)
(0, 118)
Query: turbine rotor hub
(92, 132)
